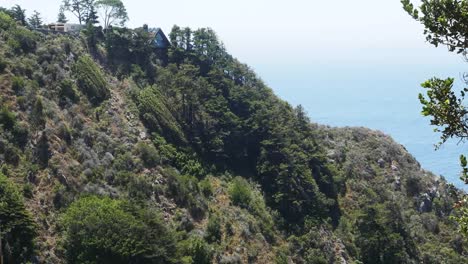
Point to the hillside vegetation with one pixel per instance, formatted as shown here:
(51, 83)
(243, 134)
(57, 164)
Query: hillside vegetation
(114, 152)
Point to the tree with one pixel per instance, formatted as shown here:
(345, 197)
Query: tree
(35, 20)
(17, 228)
(446, 23)
(61, 18)
(382, 236)
(102, 230)
(19, 14)
(113, 12)
(92, 17)
(80, 8)
(90, 80)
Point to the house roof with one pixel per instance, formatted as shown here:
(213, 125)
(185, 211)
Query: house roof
(155, 31)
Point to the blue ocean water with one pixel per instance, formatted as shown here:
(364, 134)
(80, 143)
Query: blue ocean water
(384, 99)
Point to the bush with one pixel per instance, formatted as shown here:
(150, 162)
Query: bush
(38, 114)
(213, 229)
(205, 187)
(12, 155)
(102, 230)
(18, 227)
(240, 192)
(184, 190)
(148, 154)
(6, 22)
(413, 186)
(68, 92)
(17, 84)
(157, 116)
(3, 65)
(195, 251)
(65, 133)
(42, 151)
(7, 118)
(91, 80)
(21, 133)
(22, 40)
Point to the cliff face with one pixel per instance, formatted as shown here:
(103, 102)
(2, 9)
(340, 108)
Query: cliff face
(124, 155)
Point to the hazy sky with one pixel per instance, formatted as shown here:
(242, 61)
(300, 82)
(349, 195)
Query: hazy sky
(284, 32)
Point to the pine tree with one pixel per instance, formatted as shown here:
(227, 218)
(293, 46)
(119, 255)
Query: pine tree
(61, 18)
(92, 17)
(19, 14)
(35, 20)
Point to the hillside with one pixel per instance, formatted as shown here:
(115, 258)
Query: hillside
(114, 152)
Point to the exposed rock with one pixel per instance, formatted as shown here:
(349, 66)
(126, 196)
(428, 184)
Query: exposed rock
(425, 204)
(232, 259)
(381, 163)
(143, 135)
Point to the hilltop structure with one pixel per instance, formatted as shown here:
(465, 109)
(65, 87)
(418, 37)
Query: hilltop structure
(65, 27)
(160, 39)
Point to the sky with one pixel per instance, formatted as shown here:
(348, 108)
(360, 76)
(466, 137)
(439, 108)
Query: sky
(279, 32)
(349, 63)
(277, 35)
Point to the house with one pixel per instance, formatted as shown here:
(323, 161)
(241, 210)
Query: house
(65, 27)
(159, 38)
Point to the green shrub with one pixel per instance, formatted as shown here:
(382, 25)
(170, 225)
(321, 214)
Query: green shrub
(138, 75)
(17, 226)
(213, 229)
(7, 118)
(148, 154)
(28, 190)
(21, 133)
(42, 151)
(12, 155)
(38, 114)
(168, 152)
(6, 22)
(184, 190)
(22, 40)
(90, 80)
(65, 132)
(17, 84)
(240, 192)
(195, 251)
(189, 164)
(413, 186)
(205, 187)
(3, 65)
(102, 230)
(157, 116)
(68, 91)
(22, 102)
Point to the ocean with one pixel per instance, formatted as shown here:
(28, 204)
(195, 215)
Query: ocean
(380, 98)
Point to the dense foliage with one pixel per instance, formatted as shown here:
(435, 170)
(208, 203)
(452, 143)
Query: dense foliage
(90, 80)
(101, 230)
(126, 153)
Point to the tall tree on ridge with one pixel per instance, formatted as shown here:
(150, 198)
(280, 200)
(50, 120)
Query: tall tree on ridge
(35, 20)
(19, 14)
(80, 8)
(113, 12)
(61, 18)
